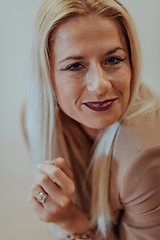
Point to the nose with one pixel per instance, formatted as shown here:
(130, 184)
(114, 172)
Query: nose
(98, 80)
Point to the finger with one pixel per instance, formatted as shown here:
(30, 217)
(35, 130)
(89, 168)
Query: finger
(58, 176)
(56, 194)
(35, 206)
(62, 164)
(38, 208)
(39, 193)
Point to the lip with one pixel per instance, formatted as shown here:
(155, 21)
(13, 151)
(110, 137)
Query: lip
(100, 105)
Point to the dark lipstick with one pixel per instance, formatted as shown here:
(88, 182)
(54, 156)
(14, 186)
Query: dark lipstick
(100, 106)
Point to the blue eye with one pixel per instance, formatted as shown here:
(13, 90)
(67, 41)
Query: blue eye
(114, 60)
(74, 67)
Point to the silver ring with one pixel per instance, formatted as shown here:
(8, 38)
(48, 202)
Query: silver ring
(41, 197)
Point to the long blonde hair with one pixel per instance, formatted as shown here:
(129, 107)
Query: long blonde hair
(50, 132)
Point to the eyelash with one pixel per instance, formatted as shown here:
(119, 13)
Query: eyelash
(117, 59)
(78, 65)
(74, 67)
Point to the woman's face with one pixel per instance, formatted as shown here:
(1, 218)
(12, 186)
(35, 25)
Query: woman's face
(91, 71)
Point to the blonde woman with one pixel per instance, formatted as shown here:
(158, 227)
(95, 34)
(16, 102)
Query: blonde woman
(92, 127)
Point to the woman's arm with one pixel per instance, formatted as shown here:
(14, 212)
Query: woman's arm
(140, 197)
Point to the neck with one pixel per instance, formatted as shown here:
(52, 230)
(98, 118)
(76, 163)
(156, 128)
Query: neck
(91, 133)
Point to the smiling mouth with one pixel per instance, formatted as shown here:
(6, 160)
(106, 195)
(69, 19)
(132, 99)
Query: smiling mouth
(100, 106)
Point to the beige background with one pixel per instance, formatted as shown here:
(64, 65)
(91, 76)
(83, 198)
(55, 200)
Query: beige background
(17, 221)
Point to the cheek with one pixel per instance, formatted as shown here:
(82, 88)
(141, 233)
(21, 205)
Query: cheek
(126, 90)
(124, 81)
(67, 95)
(62, 95)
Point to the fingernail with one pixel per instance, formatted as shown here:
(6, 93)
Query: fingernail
(50, 161)
(39, 165)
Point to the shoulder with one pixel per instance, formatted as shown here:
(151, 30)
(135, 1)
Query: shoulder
(136, 152)
(142, 131)
(136, 135)
(139, 139)
(139, 196)
(135, 175)
(142, 175)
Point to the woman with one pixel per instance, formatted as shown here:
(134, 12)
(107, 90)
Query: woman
(89, 114)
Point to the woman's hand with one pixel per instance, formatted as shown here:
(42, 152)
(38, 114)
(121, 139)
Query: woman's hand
(55, 178)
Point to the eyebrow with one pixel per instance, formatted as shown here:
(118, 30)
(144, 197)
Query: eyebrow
(114, 50)
(72, 57)
(80, 57)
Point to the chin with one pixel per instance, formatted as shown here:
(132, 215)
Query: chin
(100, 126)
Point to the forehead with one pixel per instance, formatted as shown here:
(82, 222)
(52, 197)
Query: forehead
(82, 32)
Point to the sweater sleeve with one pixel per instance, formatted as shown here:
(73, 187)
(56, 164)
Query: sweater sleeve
(140, 197)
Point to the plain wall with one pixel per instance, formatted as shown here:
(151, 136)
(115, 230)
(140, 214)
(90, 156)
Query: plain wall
(17, 221)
